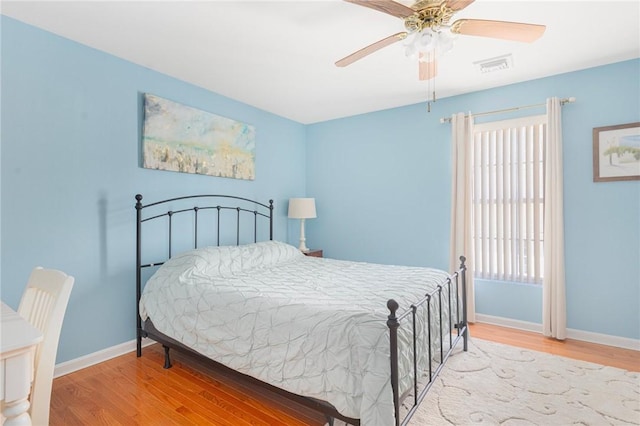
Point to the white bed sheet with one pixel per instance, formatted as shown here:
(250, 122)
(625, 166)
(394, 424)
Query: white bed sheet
(315, 327)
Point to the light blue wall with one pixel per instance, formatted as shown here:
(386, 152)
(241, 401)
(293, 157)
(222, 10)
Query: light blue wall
(69, 173)
(382, 183)
(381, 187)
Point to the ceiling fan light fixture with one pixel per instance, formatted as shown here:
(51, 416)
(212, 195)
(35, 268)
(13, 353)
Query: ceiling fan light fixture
(410, 46)
(445, 42)
(428, 41)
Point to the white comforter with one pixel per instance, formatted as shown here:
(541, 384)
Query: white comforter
(315, 327)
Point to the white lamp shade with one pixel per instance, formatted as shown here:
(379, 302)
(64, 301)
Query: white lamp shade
(302, 208)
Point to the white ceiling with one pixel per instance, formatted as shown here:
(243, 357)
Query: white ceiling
(279, 55)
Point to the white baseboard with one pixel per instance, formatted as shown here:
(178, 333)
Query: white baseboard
(97, 357)
(586, 336)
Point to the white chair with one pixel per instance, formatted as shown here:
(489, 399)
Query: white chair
(43, 304)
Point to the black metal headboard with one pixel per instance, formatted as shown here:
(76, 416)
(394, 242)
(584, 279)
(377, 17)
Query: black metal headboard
(215, 203)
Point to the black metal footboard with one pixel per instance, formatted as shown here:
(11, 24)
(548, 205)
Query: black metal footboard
(454, 287)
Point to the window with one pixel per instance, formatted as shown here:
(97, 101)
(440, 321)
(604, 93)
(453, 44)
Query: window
(508, 199)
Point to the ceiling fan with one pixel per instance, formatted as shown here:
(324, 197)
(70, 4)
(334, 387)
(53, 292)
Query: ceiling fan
(425, 21)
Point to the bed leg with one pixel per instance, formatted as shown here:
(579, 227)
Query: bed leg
(167, 359)
(138, 346)
(465, 338)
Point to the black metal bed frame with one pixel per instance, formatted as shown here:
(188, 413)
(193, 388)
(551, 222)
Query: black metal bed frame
(453, 287)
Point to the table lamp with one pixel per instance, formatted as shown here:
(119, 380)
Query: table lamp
(302, 208)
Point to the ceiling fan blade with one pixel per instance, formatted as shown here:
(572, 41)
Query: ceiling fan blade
(387, 6)
(505, 30)
(347, 60)
(457, 5)
(427, 66)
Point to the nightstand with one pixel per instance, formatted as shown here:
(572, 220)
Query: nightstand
(313, 253)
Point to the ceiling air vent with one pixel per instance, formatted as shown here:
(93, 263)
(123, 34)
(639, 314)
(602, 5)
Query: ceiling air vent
(498, 63)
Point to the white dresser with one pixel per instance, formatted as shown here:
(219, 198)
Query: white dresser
(18, 342)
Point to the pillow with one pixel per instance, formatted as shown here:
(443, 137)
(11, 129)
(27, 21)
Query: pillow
(265, 253)
(226, 261)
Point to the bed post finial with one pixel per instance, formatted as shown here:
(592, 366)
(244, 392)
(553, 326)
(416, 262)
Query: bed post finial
(393, 306)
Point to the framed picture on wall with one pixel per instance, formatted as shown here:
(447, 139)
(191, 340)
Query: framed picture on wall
(180, 138)
(616, 152)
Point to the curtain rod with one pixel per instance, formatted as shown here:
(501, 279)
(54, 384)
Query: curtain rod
(562, 102)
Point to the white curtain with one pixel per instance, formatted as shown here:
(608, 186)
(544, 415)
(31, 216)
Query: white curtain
(461, 202)
(554, 312)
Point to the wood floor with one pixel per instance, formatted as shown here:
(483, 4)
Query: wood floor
(138, 391)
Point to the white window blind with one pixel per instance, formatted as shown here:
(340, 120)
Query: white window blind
(508, 199)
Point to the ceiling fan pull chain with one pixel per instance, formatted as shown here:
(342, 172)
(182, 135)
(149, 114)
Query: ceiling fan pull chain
(431, 89)
(429, 82)
(434, 89)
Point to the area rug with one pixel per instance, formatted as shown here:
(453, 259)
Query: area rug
(495, 384)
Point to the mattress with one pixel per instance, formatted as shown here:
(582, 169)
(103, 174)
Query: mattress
(312, 326)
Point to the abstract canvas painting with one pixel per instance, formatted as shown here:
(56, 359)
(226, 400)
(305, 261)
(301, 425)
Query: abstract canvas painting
(180, 138)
